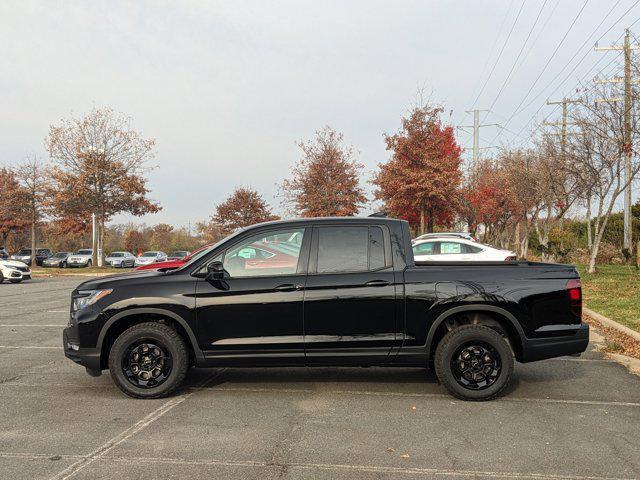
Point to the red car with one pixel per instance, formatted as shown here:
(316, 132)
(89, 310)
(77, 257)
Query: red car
(177, 263)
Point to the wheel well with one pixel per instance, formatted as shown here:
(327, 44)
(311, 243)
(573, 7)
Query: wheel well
(123, 324)
(493, 320)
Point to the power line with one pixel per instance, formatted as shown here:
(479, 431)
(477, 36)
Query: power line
(575, 66)
(495, 41)
(506, 80)
(549, 60)
(506, 41)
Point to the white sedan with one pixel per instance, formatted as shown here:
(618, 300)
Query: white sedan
(150, 257)
(447, 249)
(14, 271)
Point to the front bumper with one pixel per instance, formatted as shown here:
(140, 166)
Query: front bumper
(87, 357)
(77, 263)
(556, 346)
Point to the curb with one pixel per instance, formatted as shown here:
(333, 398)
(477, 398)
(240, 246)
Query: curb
(610, 323)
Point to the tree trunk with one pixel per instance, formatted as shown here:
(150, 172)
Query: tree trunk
(422, 220)
(33, 242)
(430, 221)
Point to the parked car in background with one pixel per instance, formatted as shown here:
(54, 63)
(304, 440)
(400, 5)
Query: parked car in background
(151, 257)
(24, 255)
(465, 235)
(14, 270)
(173, 264)
(82, 258)
(59, 259)
(450, 249)
(3, 254)
(120, 259)
(177, 255)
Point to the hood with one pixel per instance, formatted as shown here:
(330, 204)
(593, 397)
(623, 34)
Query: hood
(146, 259)
(80, 255)
(12, 263)
(117, 280)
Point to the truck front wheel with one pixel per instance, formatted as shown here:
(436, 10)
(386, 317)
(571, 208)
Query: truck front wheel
(148, 360)
(474, 362)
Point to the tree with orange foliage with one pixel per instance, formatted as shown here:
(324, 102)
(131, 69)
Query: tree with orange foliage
(325, 182)
(13, 208)
(419, 182)
(99, 166)
(35, 182)
(244, 207)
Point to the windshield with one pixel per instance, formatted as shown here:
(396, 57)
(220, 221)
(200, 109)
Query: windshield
(196, 256)
(84, 252)
(117, 254)
(61, 255)
(150, 254)
(24, 251)
(179, 254)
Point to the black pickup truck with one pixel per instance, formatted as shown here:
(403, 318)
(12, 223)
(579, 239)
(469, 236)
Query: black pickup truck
(328, 291)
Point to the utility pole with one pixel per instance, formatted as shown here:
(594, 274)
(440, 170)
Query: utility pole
(562, 124)
(94, 240)
(476, 132)
(628, 99)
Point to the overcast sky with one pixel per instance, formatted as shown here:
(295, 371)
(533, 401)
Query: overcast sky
(227, 88)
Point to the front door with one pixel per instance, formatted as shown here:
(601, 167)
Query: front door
(350, 296)
(254, 316)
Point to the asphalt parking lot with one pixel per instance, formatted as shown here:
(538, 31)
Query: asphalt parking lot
(564, 418)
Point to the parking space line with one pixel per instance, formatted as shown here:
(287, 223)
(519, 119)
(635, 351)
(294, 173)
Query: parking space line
(437, 472)
(31, 325)
(359, 468)
(424, 395)
(442, 396)
(110, 444)
(29, 347)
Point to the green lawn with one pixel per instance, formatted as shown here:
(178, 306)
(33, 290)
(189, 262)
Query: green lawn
(613, 291)
(76, 271)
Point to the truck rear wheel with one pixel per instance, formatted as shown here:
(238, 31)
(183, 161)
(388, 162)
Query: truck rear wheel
(148, 360)
(474, 362)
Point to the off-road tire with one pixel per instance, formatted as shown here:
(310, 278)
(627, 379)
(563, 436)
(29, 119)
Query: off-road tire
(161, 334)
(467, 334)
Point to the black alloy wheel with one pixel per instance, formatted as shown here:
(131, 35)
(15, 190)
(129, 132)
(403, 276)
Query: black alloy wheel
(146, 363)
(476, 365)
(474, 362)
(148, 360)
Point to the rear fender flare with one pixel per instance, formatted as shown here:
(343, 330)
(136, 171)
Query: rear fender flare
(472, 308)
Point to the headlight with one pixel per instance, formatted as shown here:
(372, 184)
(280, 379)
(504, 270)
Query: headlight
(89, 297)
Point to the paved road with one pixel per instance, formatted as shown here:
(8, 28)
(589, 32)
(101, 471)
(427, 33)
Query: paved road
(563, 418)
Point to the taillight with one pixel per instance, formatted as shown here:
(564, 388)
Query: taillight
(511, 258)
(574, 290)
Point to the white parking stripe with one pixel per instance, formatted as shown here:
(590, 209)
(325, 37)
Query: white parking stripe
(30, 347)
(437, 472)
(105, 448)
(30, 325)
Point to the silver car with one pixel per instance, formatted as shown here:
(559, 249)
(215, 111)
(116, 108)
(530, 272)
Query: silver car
(82, 258)
(120, 259)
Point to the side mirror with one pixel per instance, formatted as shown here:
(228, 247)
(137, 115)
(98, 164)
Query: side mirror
(215, 271)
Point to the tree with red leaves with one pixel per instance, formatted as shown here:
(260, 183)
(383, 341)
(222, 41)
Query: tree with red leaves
(419, 181)
(244, 207)
(325, 182)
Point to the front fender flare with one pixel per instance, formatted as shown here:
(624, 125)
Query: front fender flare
(155, 311)
(472, 308)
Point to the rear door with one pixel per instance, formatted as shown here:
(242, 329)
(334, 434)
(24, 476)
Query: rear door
(350, 296)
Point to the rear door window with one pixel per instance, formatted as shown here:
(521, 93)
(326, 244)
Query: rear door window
(450, 248)
(343, 249)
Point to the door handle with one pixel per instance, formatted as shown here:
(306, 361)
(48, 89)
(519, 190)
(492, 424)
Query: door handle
(377, 283)
(288, 287)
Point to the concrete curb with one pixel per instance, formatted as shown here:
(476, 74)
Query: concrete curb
(610, 323)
